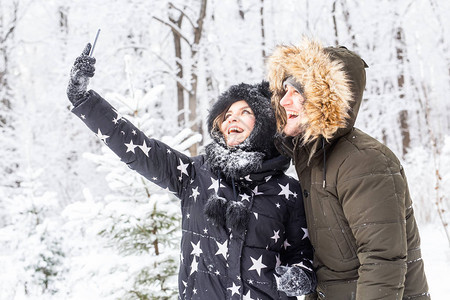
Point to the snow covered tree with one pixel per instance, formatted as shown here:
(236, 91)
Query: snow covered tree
(31, 240)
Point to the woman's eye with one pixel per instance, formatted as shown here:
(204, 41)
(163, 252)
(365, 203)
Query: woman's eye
(246, 112)
(226, 117)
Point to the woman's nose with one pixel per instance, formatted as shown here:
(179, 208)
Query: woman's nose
(232, 118)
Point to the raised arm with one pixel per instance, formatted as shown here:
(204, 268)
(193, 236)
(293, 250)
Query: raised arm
(151, 158)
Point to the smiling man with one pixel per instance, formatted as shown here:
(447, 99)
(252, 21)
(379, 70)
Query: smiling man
(359, 212)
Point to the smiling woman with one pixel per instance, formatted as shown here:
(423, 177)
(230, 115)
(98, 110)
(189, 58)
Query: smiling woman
(238, 185)
(238, 123)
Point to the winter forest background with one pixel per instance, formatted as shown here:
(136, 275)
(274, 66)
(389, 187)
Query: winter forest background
(75, 223)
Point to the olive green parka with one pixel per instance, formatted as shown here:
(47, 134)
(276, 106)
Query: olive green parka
(359, 211)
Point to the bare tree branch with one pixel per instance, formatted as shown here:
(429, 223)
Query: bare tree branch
(174, 28)
(171, 5)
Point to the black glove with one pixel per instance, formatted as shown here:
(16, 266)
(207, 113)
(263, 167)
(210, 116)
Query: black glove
(82, 69)
(293, 281)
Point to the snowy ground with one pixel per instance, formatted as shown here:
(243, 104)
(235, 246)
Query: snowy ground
(436, 254)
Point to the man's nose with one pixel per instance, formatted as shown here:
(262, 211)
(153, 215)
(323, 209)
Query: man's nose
(287, 99)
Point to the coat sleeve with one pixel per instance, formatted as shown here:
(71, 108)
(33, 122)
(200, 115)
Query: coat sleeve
(372, 189)
(151, 158)
(298, 250)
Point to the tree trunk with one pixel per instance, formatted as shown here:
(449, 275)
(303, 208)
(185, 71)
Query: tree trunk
(6, 33)
(194, 77)
(241, 11)
(403, 114)
(333, 13)
(348, 23)
(263, 38)
(179, 71)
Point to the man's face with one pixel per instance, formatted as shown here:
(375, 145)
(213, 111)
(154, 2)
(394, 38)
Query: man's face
(293, 104)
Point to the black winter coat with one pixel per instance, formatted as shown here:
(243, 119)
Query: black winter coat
(215, 262)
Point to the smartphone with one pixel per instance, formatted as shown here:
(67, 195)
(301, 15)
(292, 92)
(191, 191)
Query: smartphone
(95, 42)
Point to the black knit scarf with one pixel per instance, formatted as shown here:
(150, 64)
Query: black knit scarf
(234, 163)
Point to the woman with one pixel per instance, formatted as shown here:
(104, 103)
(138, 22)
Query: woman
(242, 217)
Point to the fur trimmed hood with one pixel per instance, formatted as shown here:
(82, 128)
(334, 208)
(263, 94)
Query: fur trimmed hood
(333, 81)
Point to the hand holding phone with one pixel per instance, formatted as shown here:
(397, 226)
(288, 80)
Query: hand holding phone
(95, 42)
(82, 70)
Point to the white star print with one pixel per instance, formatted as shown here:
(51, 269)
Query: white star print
(247, 296)
(255, 191)
(195, 193)
(116, 120)
(183, 168)
(286, 244)
(247, 177)
(285, 190)
(134, 132)
(256, 215)
(245, 197)
(117, 113)
(215, 185)
(277, 205)
(278, 263)
(257, 265)
(188, 216)
(276, 235)
(145, 148)
(130, 146)
(168, 151)
(102, 136)
(223, 249)
(217, 272)
(205, 231)
(306, 235)
(194, 266)
(268, 178)
(196, 249)
(185, 284)
(234, 289)
(83, 117)
(194, 291)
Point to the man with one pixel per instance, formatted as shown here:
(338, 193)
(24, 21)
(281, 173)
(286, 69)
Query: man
(359, 212)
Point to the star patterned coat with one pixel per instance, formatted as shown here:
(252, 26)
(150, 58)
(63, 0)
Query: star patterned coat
(216, 263)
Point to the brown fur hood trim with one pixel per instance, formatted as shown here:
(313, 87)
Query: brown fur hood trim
(326, 75)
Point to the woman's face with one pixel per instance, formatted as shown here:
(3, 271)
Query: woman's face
(238, 123)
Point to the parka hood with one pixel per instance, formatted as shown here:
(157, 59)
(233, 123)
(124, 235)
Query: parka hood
(332, 79)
